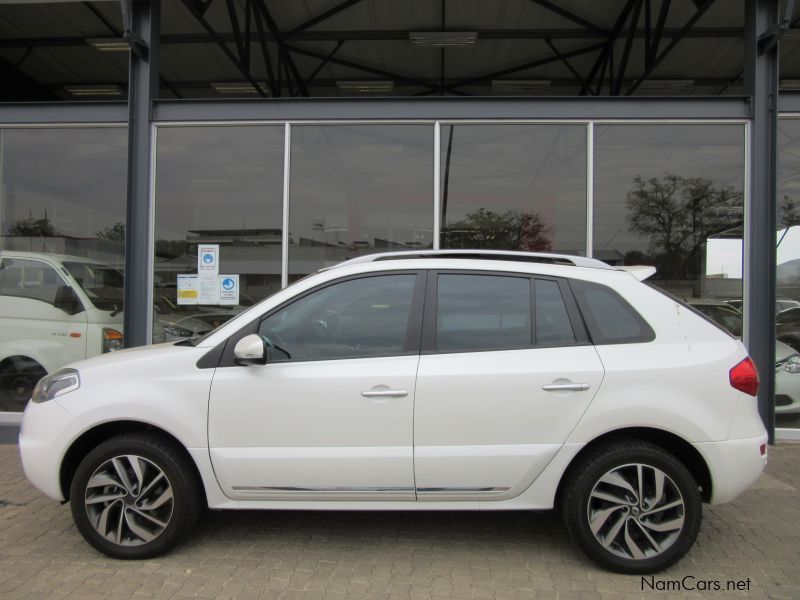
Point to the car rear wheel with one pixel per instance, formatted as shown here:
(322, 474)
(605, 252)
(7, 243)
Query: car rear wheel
(135, 496)
(632, 507)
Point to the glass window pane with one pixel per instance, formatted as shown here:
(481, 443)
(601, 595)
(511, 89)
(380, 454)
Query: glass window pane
(553, 326)
(218, 185)
(671, 195)
(356, 190)
(62, 200)
(610, 319)
(354, 319)
(482, 312)
(514, 187)
(787, 292)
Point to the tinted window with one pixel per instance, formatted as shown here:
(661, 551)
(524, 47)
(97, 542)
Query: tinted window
(610, 319)
(482, 312)
(36, 280)
(553, 326)
(352, 319)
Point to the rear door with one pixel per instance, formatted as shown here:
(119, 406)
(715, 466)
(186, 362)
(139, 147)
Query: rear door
(506, 372)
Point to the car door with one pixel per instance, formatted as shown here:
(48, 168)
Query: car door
(330, 416)
(506, 372)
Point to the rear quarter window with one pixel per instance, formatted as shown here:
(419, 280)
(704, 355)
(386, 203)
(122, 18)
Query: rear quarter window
(609, 318)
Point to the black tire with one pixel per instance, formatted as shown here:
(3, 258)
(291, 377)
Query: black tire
(18, 376)
(615, 551)
(179, 513)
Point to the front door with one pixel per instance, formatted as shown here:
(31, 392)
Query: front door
(506, 373)
(330, 416)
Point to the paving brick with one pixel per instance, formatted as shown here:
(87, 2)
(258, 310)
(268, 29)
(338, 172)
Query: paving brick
(390, 556)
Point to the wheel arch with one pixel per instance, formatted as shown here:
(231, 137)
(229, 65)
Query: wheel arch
(674, 444)
(99, 433)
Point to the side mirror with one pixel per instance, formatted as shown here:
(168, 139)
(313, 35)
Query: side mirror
(250, 350)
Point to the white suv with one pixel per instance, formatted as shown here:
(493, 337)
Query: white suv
(416, 381)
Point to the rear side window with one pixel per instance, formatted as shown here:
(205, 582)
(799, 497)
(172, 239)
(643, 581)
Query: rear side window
(482, 312)
(553, 327)
(609, 318)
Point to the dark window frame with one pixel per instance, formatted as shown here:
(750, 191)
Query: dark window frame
(222, 354)
(431, 311)
(598, 339)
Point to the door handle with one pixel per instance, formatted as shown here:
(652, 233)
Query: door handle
(565, 387)
(385, 394)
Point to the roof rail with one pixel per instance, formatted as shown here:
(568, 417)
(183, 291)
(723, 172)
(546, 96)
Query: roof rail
(534, 257)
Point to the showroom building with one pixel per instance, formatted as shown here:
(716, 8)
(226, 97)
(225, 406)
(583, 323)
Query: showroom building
(289, 136)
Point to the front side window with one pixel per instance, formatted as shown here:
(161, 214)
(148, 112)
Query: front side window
(359, 318)
(482, 312)
(35, 280)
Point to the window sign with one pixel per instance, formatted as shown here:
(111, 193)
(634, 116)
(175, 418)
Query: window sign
(228, 289)
(188, 289)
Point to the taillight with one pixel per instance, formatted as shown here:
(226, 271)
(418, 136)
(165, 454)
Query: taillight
(744, 377)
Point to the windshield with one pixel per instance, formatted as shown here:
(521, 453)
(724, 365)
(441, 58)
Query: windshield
(103, 284)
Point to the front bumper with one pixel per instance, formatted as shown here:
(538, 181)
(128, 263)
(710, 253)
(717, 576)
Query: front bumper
(734, 465)
(42, 443)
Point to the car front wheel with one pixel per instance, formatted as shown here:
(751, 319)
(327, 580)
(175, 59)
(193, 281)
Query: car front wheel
(135, 496)
(632, 507)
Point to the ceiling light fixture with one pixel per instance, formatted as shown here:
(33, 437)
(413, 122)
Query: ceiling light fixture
(93, 90)
(365, 87)
(443, 38)
(109, 44)
(665, 86)
(234, 87)
(790, 84)
(519, 86)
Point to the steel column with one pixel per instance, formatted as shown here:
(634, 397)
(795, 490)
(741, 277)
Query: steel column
(761, 82)
(142, 90)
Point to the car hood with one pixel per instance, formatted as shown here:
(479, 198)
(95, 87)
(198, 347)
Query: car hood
(783, 351)
(133, 359)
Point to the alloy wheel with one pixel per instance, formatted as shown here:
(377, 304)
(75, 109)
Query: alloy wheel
(636, 511)
(129, 500)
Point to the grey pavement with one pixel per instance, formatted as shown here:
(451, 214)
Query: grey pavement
(753, 542)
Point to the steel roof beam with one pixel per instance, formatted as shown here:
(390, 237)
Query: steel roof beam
(377, 35)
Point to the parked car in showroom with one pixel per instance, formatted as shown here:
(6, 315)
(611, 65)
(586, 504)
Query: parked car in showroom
(54, 310)
(787, 359)
(437, 380)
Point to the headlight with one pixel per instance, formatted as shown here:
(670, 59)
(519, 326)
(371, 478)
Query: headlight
(792, 364)
(112, 340)
(59, 383)
(177, 331)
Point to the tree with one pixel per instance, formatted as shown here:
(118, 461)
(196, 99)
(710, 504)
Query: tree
(788, 213)
(31, 227)
(678, 215)
(512, 230)
(115, 233)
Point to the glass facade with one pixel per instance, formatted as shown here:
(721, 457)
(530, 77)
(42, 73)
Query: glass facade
(666, 194)
(219, 187)
(671, 195)
(787, 276)
(514, 187)
(62, 238)
(358, 189)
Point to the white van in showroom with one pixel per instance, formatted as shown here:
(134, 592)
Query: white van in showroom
(54, 310)
(438, 380)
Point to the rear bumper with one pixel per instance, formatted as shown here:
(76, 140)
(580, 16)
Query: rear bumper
(734, 465)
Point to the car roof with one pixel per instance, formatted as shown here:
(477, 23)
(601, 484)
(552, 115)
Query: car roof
(502, 255)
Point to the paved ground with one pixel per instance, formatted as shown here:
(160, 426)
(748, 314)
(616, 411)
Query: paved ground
(393, 556)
